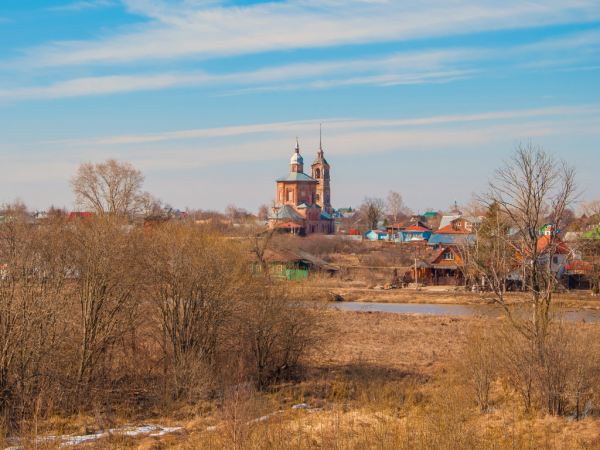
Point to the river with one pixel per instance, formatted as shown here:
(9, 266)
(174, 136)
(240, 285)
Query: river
(570, 315)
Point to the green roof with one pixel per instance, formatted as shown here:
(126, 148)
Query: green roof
(296, 176)
(593, 234)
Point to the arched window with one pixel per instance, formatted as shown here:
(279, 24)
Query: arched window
(317, 173)
(317, 197)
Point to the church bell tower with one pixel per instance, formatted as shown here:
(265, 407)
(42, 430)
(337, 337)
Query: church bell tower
(320, 172)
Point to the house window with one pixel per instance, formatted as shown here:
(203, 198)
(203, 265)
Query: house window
(555, 260)
(279, 269)
(448, 256)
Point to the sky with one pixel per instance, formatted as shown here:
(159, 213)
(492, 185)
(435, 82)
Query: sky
(206, 97)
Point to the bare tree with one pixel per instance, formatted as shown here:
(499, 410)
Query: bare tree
(149, 205)
(263, 212)
(110, 187)
(29, 301)
(590, 208)
(104, 260)
(530, 184)
(371, 210)
(277, 328)
(475, 207)
(57, 213)
(194, 279)
(257, 240)
(232, 212)
(396, 206)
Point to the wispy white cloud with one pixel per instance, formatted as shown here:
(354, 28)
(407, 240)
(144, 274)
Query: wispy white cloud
(194, 30)
(173, 160)
(336, 125)
(82, 5)
(407, 68)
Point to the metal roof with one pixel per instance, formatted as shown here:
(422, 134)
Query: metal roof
(416, 228)
(320, 160)
(422, 265)
(452, 229)
(444, 238)
(325, 216)
(285, 212)
(296, 176)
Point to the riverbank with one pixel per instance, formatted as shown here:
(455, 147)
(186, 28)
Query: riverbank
(453, 296)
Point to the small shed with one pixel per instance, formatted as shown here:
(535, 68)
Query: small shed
(423, 269)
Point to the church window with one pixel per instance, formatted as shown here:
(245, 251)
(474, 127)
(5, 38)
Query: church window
(317, 197)
(303, 196)
(317, 173)
(290, 196)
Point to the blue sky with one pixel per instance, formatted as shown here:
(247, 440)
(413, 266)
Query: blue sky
(206, 97)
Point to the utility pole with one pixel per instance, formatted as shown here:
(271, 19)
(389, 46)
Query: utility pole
(416, 273)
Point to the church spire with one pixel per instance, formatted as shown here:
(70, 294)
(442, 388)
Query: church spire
(297, 162)
(320, 143)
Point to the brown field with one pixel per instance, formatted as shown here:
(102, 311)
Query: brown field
(379, 380)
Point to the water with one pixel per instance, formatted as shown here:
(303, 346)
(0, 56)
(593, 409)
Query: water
(570, 315)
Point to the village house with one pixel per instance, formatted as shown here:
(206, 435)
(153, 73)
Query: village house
(292, 264)
(447, 266)
(452, 234)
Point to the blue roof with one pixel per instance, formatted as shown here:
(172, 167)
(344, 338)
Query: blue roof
(447, 238)
(325, 216)
(296, 176)
(285, 212)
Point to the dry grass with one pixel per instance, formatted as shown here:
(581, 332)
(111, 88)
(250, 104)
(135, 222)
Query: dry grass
(381, 380)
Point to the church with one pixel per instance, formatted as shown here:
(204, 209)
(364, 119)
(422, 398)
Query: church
(303, 204)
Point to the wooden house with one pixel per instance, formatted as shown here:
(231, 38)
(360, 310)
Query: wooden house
(447, 266)
(291, 264)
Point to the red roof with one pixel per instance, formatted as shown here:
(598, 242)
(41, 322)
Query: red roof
(579, 265)
(452, 229)
(289, 225)
(83, 215)
(417, 228)
(559, 247)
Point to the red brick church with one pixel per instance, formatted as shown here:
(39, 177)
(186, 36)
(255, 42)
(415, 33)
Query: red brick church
(304, 203)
